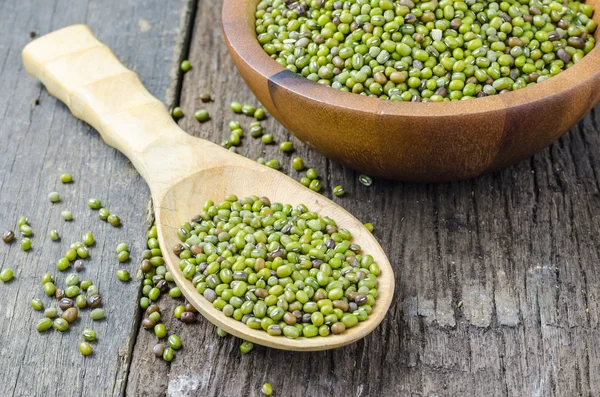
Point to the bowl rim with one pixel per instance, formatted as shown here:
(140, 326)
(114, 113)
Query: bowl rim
(238, 28)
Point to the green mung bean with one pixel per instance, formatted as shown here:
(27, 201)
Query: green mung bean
(286, 146)
(37, 304)
(315, 185)
(256, 131)
(62, 264)
(160, 331)
(273, 164)
(86, 284)
(144, 302)
(103, 214)
(26, 244)
(54, 235)
(67, 215)
(259, 114)
(267, 389)
(114, 220)
(26, 230)
(66, 178)
(72, 280)
(155, 316)
(339, 191)
(83, 252)
(8, 236)
(95, 203)
(71, 254)
(311, 173)
(51, 312)
(221, 332)
(168, 354)
(88, 239)
(54, 197)
(47, 278)
(123, 275)
(177, 112)
(185, 66)
(248, 110)
(246, 347)
(97, 314)
(6, 275)
(178, 311)
(61, 324)
(72, 291)
(202, 115)
(298, 163)
(236, 107)
(154, 294)
(44, 324)
(365, 180)
(49, 288)
(89, 334)
(174, 342)
(81, 301)
(122, 247)
(267, 139)
(123, 256)
(92, 290)
(85, 348)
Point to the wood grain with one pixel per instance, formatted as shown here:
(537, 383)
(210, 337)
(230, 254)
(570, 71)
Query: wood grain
(496, 277)
(38, 143)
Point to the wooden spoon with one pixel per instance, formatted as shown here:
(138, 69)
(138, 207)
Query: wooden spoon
(182, 171)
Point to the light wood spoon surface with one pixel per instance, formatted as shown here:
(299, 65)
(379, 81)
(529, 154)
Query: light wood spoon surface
(181, 170)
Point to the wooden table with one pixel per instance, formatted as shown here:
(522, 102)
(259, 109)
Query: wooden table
(497, 278)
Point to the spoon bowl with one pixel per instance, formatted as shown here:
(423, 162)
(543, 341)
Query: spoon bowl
(183, 171)
(175, 209)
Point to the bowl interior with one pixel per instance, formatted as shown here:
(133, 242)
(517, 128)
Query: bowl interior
(239, 28)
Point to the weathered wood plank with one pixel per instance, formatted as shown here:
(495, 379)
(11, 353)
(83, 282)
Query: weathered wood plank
(39, 143)
(497, 278)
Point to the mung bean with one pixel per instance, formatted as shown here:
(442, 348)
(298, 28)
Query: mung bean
(95, 203)
(202, 115)
(6, 275)
(54, 197)
(66, 178)
(89, 334)
(85, 348)
(185, 66)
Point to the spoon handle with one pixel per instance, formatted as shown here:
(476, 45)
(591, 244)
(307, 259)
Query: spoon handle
(85, 74)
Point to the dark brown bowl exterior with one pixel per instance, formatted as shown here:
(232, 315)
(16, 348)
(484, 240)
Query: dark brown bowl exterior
(421, 142)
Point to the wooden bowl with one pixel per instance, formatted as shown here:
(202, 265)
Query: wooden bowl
(424, 142)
